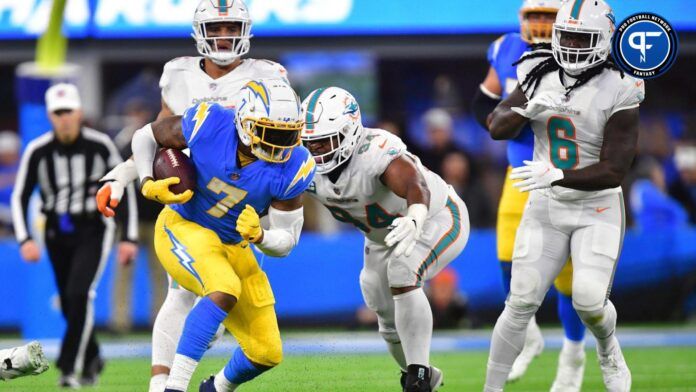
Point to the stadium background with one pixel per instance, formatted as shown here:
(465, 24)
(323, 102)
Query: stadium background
(400, 60)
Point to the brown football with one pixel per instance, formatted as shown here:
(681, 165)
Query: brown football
(170, 162)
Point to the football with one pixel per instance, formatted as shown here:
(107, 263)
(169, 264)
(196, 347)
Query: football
(170, 162)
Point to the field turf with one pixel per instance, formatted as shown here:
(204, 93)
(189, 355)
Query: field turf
(654, 369)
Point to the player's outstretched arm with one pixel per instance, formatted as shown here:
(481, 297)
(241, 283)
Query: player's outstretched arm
(505, 123)
(167, 133)
(615, 159)
(405, 180)
(285, 224)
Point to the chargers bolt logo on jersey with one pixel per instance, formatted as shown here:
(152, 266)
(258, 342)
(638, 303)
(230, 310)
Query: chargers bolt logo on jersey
(645, 45)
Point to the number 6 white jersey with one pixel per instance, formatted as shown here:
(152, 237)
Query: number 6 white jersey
(570, 135)
(360, 198)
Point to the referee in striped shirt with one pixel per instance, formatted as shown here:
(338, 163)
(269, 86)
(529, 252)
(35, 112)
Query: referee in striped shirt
(66, 164)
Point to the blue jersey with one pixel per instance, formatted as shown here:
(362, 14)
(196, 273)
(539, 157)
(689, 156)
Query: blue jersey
(501, 55)
(223, 188)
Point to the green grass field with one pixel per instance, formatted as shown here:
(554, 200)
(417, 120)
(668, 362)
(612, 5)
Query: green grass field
(659, 369)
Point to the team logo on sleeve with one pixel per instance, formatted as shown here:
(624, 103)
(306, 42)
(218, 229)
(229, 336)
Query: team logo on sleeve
(302, 174)
(645, 45)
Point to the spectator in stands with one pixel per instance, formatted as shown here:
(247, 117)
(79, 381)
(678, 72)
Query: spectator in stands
(651, 206)
(9, 160)
(438, 127)
(685, 189)
(449, 304)
(456, 171)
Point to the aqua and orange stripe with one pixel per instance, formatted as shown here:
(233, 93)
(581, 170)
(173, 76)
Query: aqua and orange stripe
(444, 243)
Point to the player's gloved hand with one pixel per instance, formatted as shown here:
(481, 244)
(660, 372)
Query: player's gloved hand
(108, 197)
(535, 175)
(115, 182)
(406, 230)
(158, 190)
(536, 105)
(249, 225)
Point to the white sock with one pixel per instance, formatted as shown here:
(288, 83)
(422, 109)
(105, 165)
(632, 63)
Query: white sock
(506, 344)
(158, 382)
(397, 352)
(182, 371)
(414, 324)
(572, 347)
(222, 384)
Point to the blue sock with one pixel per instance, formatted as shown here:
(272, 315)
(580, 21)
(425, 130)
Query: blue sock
(199, 329)
(240, 369)
(506, 268)
(572, 325)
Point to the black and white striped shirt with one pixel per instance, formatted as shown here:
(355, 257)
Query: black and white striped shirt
(68, 179)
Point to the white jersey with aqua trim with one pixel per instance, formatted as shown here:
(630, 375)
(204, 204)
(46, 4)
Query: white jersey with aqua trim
(570, 135)
(184, 83)
(360, 198)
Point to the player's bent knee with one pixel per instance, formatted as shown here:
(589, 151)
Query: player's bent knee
(589, 295)
(270, 355)
(520, 305)
(400, 274)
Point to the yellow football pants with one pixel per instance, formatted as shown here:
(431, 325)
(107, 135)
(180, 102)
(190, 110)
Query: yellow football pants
(510, 211)
(196, 258)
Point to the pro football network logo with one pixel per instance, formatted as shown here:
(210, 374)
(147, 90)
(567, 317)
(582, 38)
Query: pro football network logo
(645, 45)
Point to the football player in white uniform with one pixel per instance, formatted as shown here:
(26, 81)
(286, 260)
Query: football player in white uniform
(222, 31)
(584, 113)
(27, 360)
(414, 223)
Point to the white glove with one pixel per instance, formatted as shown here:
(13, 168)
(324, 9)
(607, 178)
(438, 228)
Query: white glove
(536, 105)
(535, 175)
(406, 230)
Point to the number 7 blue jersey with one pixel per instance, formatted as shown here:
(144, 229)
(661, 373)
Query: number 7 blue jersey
(223, 187)
(502, 53)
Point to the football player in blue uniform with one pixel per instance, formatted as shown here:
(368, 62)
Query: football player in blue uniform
(248, 162)
(536, 20)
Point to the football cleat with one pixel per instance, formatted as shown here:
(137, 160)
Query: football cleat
(90, 376)
(22, 361)
(533, 346)
(208, 385)
(571, 369)
(617, 377)
(436, 379)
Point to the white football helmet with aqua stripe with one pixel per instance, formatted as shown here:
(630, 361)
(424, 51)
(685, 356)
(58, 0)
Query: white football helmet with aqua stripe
(582, 34)
(221, 11)
(332, 113)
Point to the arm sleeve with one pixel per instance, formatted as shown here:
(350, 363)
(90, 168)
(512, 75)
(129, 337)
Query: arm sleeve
(482, 105)
(382, 152)
(24, 186)
(283, 232)
(128, 216)
(630, 95)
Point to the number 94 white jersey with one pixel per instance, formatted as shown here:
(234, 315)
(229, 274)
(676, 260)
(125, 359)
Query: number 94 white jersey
(570, 135)
(360, 198)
